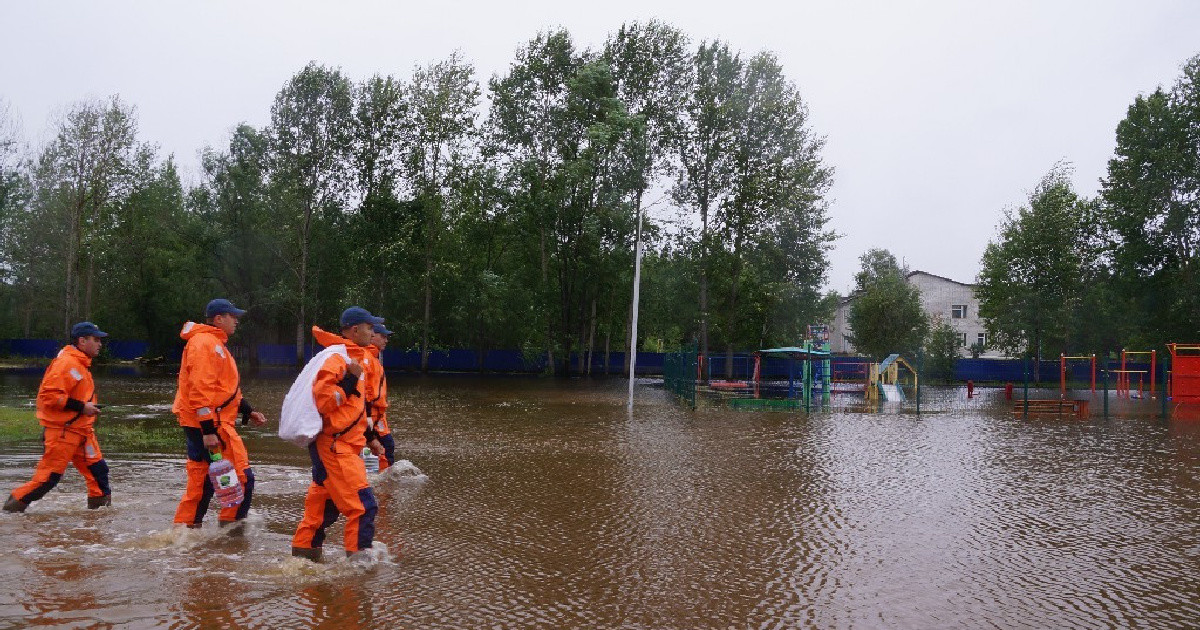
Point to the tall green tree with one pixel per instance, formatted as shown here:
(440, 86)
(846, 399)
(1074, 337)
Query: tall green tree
(311, 134)
(649, 63)
(81, 175)
(442, 100)
(1152, 210)
(773, 222)
(1037, 271)
(886, 315)
(706, 131)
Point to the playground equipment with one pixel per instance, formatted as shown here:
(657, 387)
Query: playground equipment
(886, 380)
(1062, 370)
(1183, 381)
(1125, 375)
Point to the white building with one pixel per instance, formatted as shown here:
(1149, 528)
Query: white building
(954, 302)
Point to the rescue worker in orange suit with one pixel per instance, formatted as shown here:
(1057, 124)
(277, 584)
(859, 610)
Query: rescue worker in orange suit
(67, 409)
(377, 403)
(339, 485)
(207, 404)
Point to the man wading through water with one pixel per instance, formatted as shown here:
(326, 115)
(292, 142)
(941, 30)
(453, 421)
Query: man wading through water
(339, 485)
(207, 403)
(67, 410)
(376, 392)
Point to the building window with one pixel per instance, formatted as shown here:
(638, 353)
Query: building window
(958, 311)
(981, 339)
(962, 339)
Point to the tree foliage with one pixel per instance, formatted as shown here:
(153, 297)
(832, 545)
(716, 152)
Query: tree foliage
(1036, 276)
(499, 220)
(886, 315)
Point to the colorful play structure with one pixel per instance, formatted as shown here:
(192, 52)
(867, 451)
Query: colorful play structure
(1183, 381)
(1125, 375)
(812, 378)
(808, 383)
(1062, 371)
(886, 382)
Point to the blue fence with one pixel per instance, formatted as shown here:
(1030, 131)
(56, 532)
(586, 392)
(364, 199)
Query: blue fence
(649, 363)
(48, 348)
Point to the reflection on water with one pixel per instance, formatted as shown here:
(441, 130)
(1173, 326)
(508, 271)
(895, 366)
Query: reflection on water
(547, 505)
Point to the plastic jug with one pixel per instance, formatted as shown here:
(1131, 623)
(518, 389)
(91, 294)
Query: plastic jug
(225, 483)
(370, 460)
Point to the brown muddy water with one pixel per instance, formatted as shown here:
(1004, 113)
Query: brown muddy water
(544, 504)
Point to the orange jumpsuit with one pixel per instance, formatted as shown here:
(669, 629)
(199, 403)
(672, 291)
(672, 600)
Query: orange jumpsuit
(377, 404)
(208, 401)
(68, 436)
(339, 485)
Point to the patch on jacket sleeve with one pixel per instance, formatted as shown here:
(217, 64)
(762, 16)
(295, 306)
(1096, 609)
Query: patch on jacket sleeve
(219, 350)
(76, 375)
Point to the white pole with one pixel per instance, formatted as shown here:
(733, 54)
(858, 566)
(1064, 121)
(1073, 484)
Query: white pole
(637, 285)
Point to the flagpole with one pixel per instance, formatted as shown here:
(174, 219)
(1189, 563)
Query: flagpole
(637, 285)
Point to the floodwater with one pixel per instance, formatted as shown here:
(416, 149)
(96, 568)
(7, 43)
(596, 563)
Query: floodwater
(543, 503)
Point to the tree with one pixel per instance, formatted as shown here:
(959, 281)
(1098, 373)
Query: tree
(649, 65)
(441, 102)
(1036, 272)
(311, 135)
(81, 175)
(773, 221)
(886, 315)
(706, 131)
(942, 350)
(1152, 210)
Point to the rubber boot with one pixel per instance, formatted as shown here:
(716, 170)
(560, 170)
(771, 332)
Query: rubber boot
(13, 505)
(362, 556)
(99, 502)
(234, 529)
(313, 554)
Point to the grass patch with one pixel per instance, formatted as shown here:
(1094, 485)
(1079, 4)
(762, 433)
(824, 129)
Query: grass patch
(139, 438)
(18, 424)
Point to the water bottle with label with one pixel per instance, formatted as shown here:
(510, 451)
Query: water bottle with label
(370, 460)
(225, 483)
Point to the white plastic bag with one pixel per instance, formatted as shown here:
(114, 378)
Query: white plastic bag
(299, 421)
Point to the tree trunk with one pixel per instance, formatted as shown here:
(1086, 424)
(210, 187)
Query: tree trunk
(591, 342)
(704, 283)
(305, 231)
(428, 312)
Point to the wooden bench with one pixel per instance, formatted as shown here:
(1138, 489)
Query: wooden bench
(1076, 408)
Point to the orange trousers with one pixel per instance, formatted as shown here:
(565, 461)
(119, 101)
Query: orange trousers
(61, 448)
(339, 487)
(199, 490)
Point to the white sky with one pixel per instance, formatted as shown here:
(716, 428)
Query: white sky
(938, 115)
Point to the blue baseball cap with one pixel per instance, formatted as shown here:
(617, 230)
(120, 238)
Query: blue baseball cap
(86, 329)
(359, 315)
(220, 306)
(380, 329)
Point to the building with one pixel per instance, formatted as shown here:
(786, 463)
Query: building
(954, 302)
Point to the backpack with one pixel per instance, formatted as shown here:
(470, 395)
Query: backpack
(299, 421)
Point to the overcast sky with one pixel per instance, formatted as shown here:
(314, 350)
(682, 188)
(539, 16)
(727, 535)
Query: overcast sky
(937, 115)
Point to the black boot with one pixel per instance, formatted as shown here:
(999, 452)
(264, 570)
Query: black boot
(99, 502)
(313, 554)
(234, 529)
(13, 505)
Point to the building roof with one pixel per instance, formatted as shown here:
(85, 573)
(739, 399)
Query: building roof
(934, 275)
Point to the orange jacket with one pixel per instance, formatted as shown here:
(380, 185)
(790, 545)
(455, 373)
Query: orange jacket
(66, 385)
(376, 389)
(209, 391)
(339, 394)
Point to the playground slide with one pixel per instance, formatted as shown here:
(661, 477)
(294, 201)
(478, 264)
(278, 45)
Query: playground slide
(891, 392)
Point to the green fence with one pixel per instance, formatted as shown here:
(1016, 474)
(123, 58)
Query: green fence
(679, 374)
